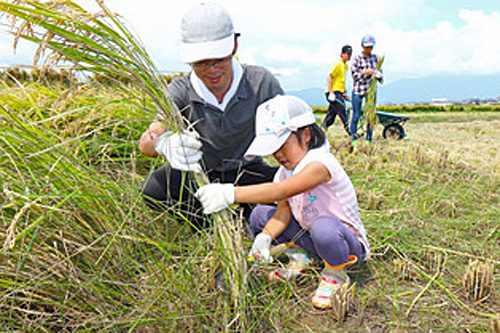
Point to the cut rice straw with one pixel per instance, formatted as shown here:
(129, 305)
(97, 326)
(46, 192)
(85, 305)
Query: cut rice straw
(462, 254)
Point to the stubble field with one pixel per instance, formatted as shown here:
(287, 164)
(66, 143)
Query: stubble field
(81, 251)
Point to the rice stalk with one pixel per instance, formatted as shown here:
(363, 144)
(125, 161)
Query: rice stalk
(157, 91)
(342, 300)
(494, 325)
(370, 105)
(478, 280)
(100, 43)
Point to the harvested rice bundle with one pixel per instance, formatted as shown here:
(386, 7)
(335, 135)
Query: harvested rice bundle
(371, 117)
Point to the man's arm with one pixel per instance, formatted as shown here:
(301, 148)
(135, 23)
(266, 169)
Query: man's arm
(329, 81)
(331, 74)
(149, 138)
(356, 70)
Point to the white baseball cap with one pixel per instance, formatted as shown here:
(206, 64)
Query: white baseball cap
(275, 120)
(206, 33)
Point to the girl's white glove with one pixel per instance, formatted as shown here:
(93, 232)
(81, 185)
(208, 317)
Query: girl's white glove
(261, 248)
(215, 197)
(182, 150)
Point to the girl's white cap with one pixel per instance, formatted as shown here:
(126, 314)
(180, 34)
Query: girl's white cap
(275, 120)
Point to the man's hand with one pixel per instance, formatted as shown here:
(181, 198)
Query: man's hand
(378, 75)
(182, 150)
(368, 71)
(261, 248)
(215, 197)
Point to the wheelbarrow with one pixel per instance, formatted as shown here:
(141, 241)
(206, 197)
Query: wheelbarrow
(393, 123)
(393, 128)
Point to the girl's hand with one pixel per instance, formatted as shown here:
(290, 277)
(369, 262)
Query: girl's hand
(261, 248)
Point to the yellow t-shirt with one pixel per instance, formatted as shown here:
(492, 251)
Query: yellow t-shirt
(338, 72)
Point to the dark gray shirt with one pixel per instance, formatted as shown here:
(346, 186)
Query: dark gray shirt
(227, 134)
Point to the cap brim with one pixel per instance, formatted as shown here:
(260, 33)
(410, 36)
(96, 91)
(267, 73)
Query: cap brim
(192, 52)
(368, 44)
(264, 145)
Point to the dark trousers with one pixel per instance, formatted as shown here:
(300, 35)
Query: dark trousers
(336, 108)
(173, 190)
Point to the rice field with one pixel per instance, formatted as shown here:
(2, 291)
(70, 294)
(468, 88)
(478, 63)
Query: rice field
(81, 252)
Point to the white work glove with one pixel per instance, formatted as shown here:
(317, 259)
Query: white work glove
(331, 97)
(378, 75)
(261, 248)
(215, 197)
(182, 150)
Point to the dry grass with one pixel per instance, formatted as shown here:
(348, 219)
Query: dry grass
(474, 143)
(430, 203)
(81, 252)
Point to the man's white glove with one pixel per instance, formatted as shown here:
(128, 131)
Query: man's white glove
(182, 150)
(261, 248)
(215, 197)
(331, 97)
(378, 75)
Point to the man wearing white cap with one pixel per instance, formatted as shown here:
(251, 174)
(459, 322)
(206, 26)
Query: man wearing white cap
(218, 99)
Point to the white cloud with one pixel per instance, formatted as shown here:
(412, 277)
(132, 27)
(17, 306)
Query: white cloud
(299, 39)
(443, 49)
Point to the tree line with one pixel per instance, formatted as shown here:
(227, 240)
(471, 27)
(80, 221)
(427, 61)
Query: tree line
(67, 76)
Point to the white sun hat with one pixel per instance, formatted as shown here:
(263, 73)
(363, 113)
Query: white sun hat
(275, 120)
(206, 33)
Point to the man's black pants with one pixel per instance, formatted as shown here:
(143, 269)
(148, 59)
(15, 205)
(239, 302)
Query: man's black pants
(173, 190)
(336, 108)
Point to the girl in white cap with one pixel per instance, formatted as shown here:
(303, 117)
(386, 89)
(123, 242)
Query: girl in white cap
(314, 194)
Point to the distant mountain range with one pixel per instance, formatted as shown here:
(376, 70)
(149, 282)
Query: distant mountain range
(453, 88)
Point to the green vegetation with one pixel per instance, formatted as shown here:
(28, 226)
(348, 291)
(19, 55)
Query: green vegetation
(437, 108)
(99, 43)
(65, 76)
(427, 108)
(81, 252)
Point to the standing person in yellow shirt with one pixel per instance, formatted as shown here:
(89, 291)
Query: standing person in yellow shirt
(336, 94)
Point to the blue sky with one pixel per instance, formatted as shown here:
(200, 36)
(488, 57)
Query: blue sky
(298, 40)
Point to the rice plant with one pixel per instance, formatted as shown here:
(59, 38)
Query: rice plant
(100, 43)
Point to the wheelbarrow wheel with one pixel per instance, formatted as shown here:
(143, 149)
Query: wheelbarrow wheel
(394, 131)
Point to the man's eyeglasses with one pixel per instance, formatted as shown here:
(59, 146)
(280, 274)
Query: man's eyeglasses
(206, 64)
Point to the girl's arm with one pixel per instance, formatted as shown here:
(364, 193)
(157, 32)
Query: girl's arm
(273, 228)
(311, 176)
(279, 221)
